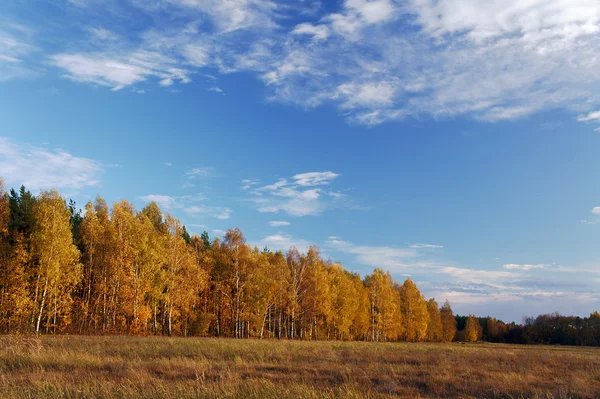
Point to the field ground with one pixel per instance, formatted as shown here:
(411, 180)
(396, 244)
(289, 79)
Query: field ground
(137, 367)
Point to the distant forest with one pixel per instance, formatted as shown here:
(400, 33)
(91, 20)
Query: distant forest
(121, 271)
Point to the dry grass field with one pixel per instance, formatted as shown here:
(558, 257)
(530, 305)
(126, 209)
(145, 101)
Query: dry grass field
(137, 367)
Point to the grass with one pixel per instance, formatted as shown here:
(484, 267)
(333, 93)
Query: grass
(152, 367)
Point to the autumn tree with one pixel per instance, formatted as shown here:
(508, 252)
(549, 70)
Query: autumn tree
(283, 295)
(298, 275)
(154, 214)
(4, 212)
(495, 330)
(183, 280)
(57, 269)
(232, 272)
(386, 316)
(96, 248)
(473, 330)
(205, 261)
(136, 260)
(434, 327)
(361, 320)
(14, 299)
(15, 302)
(315, 306)
(448, 323)
(122, 271)
(414, 311)
(345, 301)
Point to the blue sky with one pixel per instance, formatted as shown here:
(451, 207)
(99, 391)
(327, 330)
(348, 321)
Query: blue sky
(455, 142)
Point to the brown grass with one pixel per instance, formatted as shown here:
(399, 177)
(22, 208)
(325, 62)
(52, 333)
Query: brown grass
(135, 367)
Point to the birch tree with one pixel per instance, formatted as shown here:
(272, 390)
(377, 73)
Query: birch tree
(57, 270)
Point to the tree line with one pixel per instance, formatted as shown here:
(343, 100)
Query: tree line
(551, 329)
(121, 271)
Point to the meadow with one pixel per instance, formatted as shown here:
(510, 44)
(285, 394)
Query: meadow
(158, 367)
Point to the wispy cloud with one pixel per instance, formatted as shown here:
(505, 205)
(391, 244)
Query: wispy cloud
(15, 48)
(172, 202)
(117, 71)
(204, 227)
(525, 267)
(216, 89)
(376, 60)
(278, 223)
(102, 34)
(278, 242)
(221, 213)
(314, 178)
(44, 168)
(596, 210)
(164, 201)
(190, 177)
(302, 195)
(199, 173)
(426, 246)
(390, 258)
(513, 283)
(249, 183)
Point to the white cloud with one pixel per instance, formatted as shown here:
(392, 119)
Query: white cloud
(217, 232)
(15, 47)
(359, 14)
(481, 287)
(278, 223)
(389, 258)
(197, 54)
(280, 242)
(119, 71)
(426, 246)
(221, 213)
(525, 267)
(376, 60)
(216, 89)
(165, 201)
(43, 168)
(531, 19)
(372, 11)
(318, 32)
(172, 202)
(233, 15)
(592, 116)
(103, 34)
(303, 196)
(596, 210)
(191, 176)
(314, 178)
(200, 173)
(167, 164)
(535, 56)
(249, 183)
